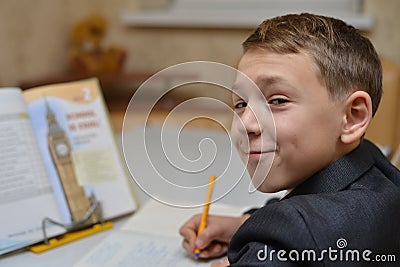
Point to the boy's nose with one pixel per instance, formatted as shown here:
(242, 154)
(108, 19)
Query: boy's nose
(251, 122)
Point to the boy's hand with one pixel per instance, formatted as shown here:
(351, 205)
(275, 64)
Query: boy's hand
(214, 240)
(222, 263)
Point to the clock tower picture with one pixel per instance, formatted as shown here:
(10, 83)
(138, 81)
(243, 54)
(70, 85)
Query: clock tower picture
(60, 150)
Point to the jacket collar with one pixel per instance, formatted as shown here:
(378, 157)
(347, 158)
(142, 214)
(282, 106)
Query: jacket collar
(338, 175)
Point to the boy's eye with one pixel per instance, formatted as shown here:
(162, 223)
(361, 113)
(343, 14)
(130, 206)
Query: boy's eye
(240, 105)
(278, 101)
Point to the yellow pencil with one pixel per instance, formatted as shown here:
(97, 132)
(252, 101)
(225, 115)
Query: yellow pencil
(204, 216)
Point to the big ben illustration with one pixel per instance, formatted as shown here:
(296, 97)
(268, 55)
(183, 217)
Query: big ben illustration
(60, 150)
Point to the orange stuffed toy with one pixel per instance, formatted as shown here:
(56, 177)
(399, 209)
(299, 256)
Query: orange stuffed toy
(87, 55)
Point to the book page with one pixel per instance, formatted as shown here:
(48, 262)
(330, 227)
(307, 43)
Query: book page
(26, 196)
(75, 138)
(122, 249)
(151, 238)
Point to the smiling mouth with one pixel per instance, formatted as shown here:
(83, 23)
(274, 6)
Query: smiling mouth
(255, 154)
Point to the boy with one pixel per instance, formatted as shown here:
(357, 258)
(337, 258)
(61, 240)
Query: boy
(322, 82)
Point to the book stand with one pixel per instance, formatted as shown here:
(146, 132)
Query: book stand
(75, 230)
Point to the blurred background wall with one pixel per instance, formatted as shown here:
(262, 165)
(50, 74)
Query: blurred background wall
(34, 37)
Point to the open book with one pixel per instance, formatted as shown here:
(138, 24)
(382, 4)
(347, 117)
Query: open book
(59, 160)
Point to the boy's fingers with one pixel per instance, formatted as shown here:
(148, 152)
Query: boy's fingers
(222, 263)
(188, 234)
(189, 230)
(206, 237)
(188, 247)
(214, 250)
(190, 226)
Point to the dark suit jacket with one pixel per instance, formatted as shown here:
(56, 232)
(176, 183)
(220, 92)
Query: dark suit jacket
(349, 208)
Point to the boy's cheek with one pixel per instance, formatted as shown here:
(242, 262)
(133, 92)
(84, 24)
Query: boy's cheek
(240, 141)
(238, 134)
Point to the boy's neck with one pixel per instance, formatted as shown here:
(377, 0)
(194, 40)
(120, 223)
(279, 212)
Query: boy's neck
(350, 147)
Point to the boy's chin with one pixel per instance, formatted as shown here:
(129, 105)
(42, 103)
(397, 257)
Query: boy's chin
(268, 185)
(263, 189)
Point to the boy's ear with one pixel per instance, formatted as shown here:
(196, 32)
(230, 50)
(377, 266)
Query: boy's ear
(358, 115)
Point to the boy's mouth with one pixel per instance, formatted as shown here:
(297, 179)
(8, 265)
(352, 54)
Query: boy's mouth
(253, 154)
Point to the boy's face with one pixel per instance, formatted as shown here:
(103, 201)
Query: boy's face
(308, 122)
